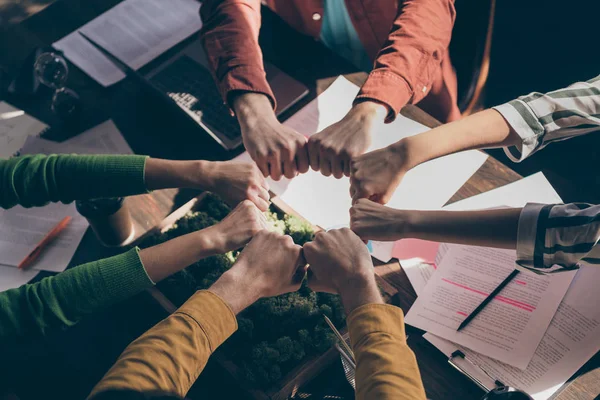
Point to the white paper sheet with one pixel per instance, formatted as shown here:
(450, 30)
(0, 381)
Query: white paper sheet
(11, 277)
(136, 31)
(15, 131)
(325, 201)
(21, 229)
(570, 341)
(511, 326)
(533, 189)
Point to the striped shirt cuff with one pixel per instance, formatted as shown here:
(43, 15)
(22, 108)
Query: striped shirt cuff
(526, 235)
(523, 120)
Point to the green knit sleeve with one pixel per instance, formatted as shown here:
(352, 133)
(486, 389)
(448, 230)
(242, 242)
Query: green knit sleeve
(35, 180)
(61, 301)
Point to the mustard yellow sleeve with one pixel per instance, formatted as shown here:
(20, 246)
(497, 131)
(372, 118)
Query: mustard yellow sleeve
(386, 367)
(168, 358)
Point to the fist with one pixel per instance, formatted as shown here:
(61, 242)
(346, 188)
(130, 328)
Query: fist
(337, 260)
(373, 221)
(241, 225)
(271, 264)
(236, 182)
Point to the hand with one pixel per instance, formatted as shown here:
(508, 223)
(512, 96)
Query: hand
(377, 174)
(373, 221)
(236, 182)
(270, 265)
(339, 262)
(238, 228)
(277, 150)
(331, 150)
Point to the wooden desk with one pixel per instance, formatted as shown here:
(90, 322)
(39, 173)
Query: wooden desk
(150, 131)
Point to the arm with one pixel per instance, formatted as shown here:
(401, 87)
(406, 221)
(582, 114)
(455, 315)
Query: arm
(406, 64)
(39, 179)
(230, 38)
(543, 235)
(522, 127)
(386, 368)
(403, 73)
(168, 358)
(62, 300)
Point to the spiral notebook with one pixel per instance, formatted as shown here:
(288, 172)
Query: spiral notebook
(15, 127)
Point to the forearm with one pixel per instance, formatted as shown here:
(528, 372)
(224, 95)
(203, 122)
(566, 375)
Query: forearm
(486, 129)
(490, 228)
(386, 368)
(62, 300)
(165, 174)
(38, 179)
(169, 357)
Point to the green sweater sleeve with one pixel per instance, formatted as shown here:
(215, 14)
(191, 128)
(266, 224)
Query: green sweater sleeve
(35, 180)
(62, 300)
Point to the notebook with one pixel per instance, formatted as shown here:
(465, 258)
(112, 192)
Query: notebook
(15, 127)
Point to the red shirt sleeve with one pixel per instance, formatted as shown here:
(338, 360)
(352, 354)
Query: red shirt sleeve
(230, 38)
(406, 64)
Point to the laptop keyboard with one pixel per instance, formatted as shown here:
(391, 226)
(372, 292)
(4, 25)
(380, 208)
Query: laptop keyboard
(193, 89)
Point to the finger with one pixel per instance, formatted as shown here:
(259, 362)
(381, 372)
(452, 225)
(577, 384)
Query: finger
(337, 167)
(289, 168)
(261, 204)
(360, 193)
(325, 163)
(275, 166)
(263, 183)
(313, 155)
(302, 161)
(264, 194)
(346, 166)
(263, 166)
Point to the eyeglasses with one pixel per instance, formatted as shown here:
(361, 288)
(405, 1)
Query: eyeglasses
(499, 392)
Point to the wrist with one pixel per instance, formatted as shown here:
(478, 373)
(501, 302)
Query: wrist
(359, 291)
(232, 289)
(252, 107)
(404, 150)
(369, 110)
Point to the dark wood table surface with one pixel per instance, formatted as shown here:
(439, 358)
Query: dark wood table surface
(151, 130)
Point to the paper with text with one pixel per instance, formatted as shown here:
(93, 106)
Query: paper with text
(15, 131)
(511, 326)
(21, 229)
(11, 277)
(570, 341)
(136, 31)
(325, 201)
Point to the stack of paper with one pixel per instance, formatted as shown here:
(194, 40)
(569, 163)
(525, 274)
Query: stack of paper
(325, 201)
(136, 31)
(536, 357)
(21, 229)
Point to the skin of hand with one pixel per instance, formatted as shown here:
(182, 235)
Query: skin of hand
(255, 275)
(377, 174)
(339, 262)
(331, 150)
(277, 149)
(239, 227)
(231, 180)
(236, 181)
(373, 221)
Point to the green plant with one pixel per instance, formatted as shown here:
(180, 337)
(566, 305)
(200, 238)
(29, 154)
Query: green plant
(275, 334)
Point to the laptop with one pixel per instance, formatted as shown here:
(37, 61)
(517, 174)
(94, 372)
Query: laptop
(185, 79)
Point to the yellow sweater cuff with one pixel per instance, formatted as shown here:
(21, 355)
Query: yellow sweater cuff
(372, 318)
(218, 324)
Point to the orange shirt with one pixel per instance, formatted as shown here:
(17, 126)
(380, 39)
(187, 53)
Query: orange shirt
(406, 39)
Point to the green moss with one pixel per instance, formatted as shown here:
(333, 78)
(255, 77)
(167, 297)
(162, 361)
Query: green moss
(275, 334)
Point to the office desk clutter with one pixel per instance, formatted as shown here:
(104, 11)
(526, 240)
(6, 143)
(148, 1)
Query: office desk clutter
(292, 245)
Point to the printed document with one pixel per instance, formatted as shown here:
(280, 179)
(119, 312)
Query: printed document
(21, 229)
(511, 326)
(325, 201)
(14, 131)
(136, 31)
(570, 341)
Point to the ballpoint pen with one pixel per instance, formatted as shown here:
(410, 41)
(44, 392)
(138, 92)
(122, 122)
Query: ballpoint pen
(49, 238)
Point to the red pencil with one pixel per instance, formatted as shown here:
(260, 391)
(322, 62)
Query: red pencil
(50, 236)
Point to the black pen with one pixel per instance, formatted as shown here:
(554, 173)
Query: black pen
(484, 303)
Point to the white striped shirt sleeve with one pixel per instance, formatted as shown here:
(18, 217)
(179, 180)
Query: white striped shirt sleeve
(540, 119)
(557, 237)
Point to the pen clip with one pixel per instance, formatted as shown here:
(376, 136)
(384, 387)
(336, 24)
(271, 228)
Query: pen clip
(477, 381)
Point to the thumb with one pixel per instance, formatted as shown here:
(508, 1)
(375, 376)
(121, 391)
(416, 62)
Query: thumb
(361, 193)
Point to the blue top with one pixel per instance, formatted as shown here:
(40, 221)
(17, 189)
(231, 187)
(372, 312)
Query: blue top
(338, 34)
